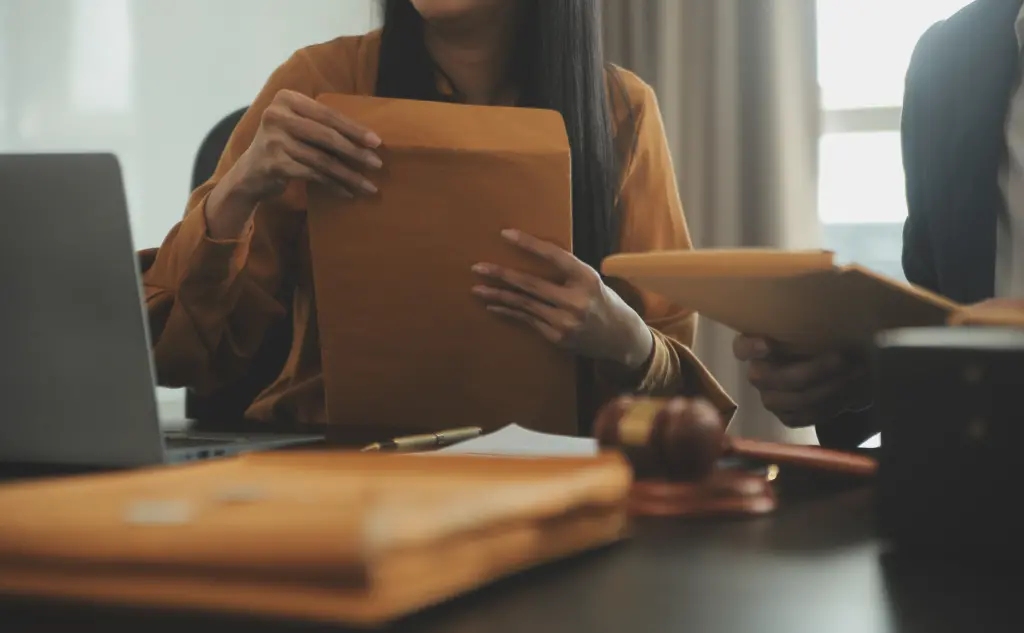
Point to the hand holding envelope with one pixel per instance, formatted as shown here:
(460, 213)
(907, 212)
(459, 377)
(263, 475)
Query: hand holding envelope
(298, 139)
(582, 314)
(804, 389)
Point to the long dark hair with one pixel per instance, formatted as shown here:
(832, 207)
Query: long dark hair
(558, 65)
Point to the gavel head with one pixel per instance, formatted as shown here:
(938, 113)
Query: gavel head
(679, 439)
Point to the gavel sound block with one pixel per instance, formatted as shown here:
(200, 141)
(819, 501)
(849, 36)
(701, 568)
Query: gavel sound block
(675, 446)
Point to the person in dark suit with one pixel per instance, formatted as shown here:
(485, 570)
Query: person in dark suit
(963, 157)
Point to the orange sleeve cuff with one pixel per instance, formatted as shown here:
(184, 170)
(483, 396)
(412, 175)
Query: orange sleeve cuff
(211, 260)
(671, 370)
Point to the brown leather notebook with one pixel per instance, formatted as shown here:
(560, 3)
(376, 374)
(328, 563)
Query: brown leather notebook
(801, 299)
(404, 342)
(350, 538)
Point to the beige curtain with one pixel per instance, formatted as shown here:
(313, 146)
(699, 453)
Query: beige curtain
(737, 86)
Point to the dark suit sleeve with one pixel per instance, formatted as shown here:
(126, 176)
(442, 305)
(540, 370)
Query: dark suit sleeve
(918, 261)
(847, 431)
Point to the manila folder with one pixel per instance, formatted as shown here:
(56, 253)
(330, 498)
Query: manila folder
(801, 299)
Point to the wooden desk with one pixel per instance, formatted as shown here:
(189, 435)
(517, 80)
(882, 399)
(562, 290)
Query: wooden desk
(813, 567)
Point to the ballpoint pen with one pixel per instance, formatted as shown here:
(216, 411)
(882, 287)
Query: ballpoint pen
(426, 441)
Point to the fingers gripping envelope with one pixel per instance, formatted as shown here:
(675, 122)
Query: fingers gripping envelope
(404, 342)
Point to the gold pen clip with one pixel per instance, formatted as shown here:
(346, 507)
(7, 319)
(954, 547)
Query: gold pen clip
(426, 441)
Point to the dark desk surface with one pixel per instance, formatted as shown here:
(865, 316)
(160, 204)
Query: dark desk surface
(815, 566)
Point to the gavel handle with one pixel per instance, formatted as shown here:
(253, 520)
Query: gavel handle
(806, 456)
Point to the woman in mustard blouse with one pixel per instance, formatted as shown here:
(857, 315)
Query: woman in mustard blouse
(218, 280)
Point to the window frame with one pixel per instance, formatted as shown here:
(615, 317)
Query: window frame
(861, 120)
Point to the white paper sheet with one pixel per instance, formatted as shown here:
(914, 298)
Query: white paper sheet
(515, 441)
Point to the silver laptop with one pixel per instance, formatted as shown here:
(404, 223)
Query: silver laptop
(76, 374)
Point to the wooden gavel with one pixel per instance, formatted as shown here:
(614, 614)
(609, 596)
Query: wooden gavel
(682, 439)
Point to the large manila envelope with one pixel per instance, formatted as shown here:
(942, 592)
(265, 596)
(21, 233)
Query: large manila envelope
(800, 299)
(405, 344)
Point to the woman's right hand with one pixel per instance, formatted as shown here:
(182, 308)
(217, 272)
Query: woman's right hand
(298, 138)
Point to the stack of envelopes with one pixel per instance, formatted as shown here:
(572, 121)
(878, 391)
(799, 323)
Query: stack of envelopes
(352, 538)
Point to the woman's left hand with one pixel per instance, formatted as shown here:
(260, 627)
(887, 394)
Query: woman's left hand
(582, 314)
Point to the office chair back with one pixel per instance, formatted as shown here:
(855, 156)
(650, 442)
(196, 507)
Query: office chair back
(213, 146)
(229, 404)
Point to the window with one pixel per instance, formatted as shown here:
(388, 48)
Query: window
(864, 47)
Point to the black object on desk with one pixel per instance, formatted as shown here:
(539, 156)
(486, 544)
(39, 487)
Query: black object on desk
(950, 403)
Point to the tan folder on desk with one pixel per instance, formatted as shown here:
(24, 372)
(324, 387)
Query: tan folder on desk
(404, 342)
(347, 538)
(801, 299)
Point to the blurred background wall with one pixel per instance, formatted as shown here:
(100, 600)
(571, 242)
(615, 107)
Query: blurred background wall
(147, 79)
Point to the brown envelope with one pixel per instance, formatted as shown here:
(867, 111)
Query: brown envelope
(404, 343)
(801, 299)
